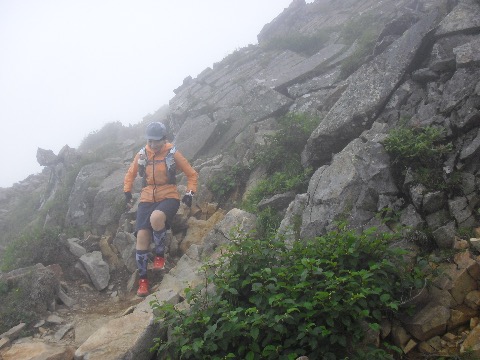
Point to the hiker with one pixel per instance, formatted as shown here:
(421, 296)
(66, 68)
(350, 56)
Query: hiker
(157, 164)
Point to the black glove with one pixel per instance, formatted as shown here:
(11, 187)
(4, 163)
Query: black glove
(128, 197)
(187, 198)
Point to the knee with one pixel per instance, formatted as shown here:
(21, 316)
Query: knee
(157, 219)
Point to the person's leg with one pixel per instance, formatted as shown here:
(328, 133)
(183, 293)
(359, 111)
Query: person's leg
(142, 250)
(158, 220)
(163, 213)
(144, 237)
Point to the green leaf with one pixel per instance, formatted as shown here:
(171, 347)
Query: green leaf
(254, 333)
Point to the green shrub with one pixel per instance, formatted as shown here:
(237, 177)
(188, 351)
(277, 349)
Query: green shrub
(282, 150)
(417, 145)
(280, 155)
(422, 150)
(270, 302)
(268, 220)
(233, 178)
(277, 183)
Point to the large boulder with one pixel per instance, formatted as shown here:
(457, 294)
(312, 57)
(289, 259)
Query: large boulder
(349, 189)
(97, 269)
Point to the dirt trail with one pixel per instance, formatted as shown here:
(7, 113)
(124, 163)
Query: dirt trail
(92, 308)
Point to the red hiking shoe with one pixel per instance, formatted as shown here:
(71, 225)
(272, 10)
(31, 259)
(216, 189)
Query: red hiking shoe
(142, 287)
(158, 263)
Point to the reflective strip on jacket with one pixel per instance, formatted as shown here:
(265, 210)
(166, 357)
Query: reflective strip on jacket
(157, 188)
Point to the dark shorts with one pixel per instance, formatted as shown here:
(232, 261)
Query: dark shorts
(167, 206)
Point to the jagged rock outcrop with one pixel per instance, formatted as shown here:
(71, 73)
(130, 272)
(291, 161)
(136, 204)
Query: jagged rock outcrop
(367, 92)
(353, 188)
(89, 196)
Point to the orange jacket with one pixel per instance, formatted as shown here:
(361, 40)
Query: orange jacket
(157, 188)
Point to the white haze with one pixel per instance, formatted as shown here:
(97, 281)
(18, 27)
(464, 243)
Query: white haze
(68, 67)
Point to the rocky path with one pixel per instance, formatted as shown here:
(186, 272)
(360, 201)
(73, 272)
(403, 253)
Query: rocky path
(66, 327)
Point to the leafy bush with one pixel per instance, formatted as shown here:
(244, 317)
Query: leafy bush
(281, 152)
(419, 146)
(232, 178)
(272, 302)
(268, 220)
(421, 149)
(280, 155)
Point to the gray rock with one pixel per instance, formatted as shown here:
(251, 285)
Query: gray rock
(46, 157)
(82, 197)
(125, 245)
(114, 340)
(14, 332)
(97, 269)
(65, 299)
(75, 248)
(411, 218)
(459, 209)
(458, 88)
(471, 148)
(348, 189)
(109, 201)
(278, 202)
(445, 236)
(468, 54)
(438, 219)
(308, 67)
(60, 333)
(430, 321)
(465, 16)
(433, 201)
(289, 228)
(235, 222)
(194, 134)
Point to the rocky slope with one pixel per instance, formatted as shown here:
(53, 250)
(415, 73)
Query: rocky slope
(362, 67)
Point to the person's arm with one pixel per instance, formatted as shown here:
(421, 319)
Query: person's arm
(130, 175)
(184, 166)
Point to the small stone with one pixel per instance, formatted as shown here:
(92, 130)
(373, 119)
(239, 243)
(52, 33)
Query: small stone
(410, 345)
(55, 319)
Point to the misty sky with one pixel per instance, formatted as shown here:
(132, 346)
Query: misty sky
(68, 67)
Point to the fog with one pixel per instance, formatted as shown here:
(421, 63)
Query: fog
(68, 67)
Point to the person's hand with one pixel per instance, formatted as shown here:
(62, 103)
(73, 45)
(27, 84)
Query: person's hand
(187, 198)
(128, 199)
